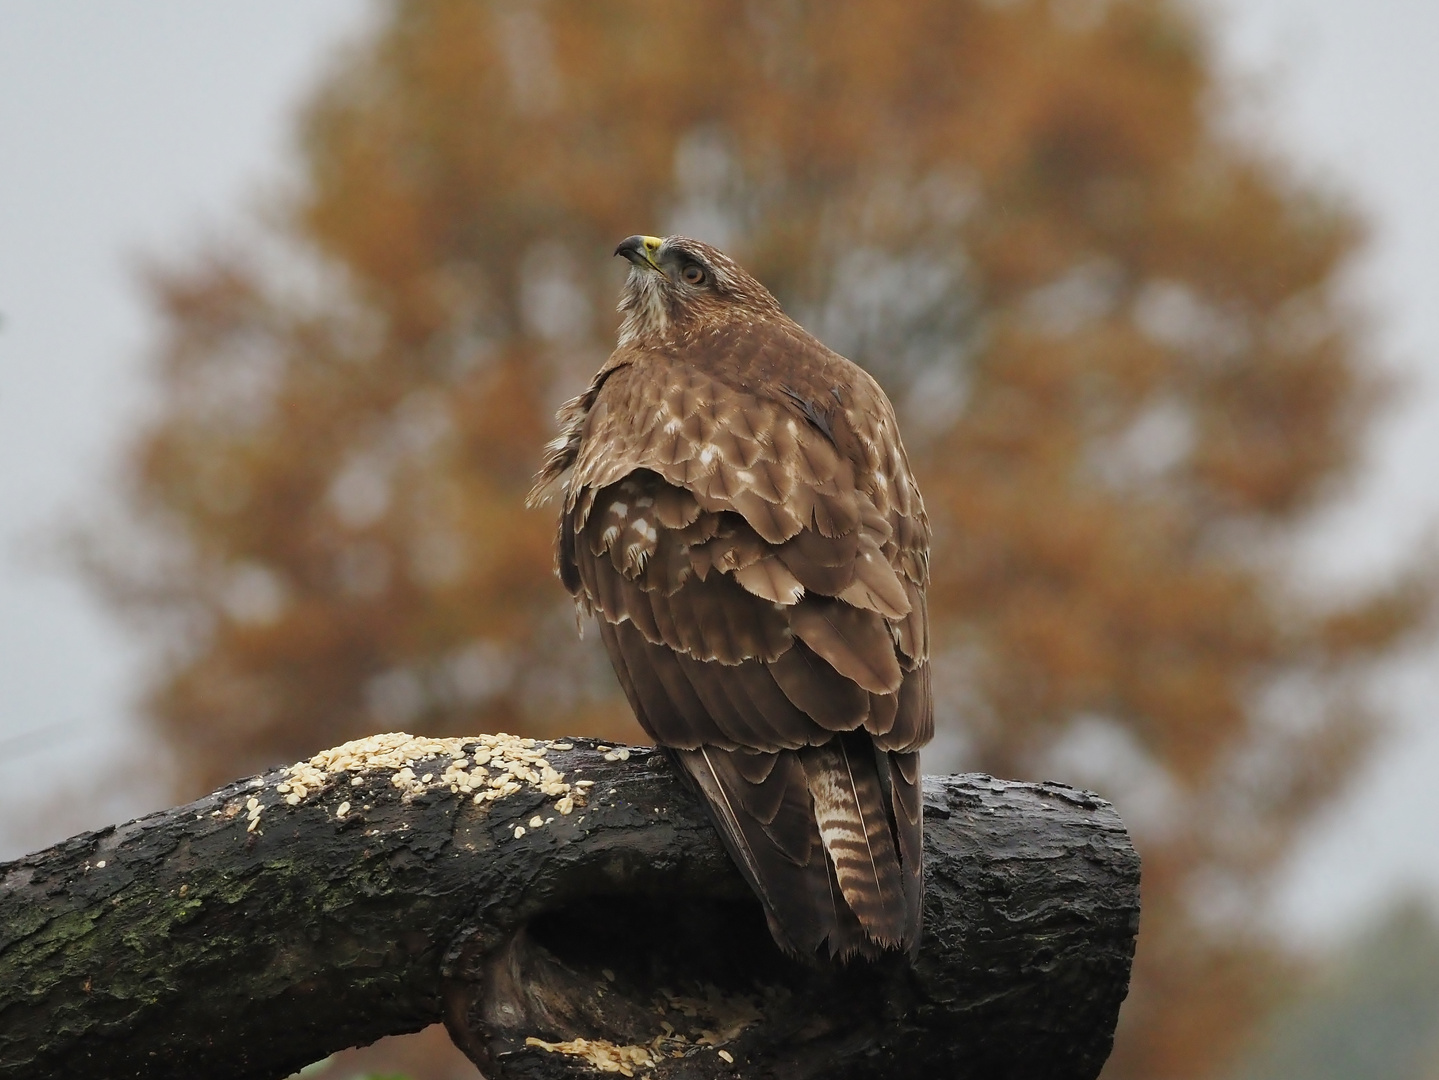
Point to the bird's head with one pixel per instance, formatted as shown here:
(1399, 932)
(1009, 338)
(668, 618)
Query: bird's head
(678, 285)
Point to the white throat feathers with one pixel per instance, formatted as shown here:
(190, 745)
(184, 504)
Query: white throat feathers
(644, 305)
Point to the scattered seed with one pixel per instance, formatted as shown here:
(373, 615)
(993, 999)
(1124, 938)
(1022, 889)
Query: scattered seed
(100, 865)
(727, 1056)
(601, 1054)
(536, 821)
(342, 809)
(513, 763)
(519, 831)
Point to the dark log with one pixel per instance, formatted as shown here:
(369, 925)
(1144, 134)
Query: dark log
(187, 944)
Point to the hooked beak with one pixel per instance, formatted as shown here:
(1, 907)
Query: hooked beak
(640, 250)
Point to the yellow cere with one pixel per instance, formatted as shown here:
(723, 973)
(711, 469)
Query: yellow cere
(485, 767)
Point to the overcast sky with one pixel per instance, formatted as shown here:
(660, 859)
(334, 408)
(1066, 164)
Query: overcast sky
(126, 129)
(129, 128)
(1350, 89)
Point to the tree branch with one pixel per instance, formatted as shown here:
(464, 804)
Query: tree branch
(188, 943)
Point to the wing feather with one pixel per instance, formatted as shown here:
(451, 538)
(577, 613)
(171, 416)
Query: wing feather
(855, 643)
(818, 691)
(913, 724)
(729, 708)
(770, 579)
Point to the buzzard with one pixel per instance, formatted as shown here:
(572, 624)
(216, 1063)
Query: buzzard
(739, 514)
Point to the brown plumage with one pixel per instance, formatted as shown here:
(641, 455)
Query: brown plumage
(739, 515)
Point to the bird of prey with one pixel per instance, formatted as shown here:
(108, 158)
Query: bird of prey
(739, 514)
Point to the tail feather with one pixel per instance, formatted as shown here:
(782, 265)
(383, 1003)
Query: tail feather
(855, 829)
(782, 858)
(826, 836)
(900, 779)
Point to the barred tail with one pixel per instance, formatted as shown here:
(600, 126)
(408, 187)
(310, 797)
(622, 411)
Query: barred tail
(854, 825)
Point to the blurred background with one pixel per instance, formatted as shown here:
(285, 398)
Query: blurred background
(289, 293)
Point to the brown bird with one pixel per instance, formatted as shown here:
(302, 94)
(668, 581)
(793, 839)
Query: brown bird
(740, 516)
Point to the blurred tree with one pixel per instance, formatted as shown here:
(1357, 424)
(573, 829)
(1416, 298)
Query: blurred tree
(1111, 330)
(1370, 1013)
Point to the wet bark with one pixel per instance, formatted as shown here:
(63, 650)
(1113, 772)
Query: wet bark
(188, 944)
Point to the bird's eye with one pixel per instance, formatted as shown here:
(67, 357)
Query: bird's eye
(693, 275)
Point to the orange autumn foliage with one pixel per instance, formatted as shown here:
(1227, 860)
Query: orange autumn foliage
(1111, 332)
